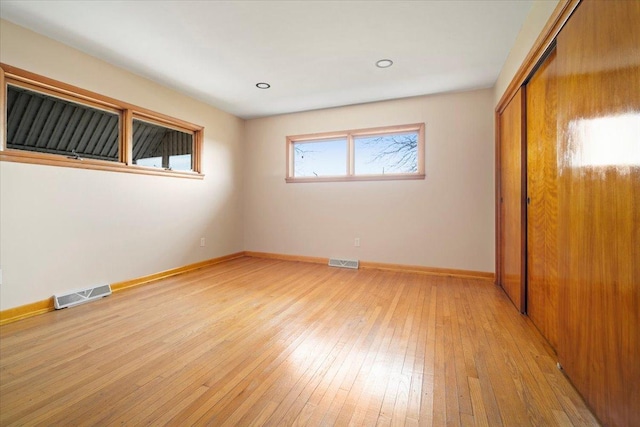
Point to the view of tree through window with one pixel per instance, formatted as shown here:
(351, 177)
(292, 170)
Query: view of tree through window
(379, 153)
(321, 158)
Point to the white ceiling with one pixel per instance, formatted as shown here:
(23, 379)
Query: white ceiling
(315, 54)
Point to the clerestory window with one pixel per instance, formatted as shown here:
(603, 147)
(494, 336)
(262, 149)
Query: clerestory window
(395, 152)
(49, 122)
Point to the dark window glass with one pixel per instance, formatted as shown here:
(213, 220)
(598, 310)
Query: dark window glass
(159, 146)
(46, 124)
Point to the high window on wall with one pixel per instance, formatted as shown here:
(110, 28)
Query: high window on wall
(49, 122)
(394, 152)
(156, 145)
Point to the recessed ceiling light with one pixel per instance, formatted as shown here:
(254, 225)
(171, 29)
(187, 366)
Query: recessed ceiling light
(384, 63)
(263, 85)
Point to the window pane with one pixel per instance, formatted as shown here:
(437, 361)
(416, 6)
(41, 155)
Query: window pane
(154, 162)
(151, 141)
(320, 158)
(46, 124)
(386, 154)
(180, 162)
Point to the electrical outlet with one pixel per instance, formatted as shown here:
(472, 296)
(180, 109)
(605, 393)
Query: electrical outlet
(202, 242)
(356, 242)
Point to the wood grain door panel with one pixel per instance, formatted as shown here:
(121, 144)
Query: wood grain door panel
(542, 200)
(598, 65)
(511, 200)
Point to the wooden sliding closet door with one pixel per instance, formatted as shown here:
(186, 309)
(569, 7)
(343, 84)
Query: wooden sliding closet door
(598, 66)
(511, 220)
(542, 201)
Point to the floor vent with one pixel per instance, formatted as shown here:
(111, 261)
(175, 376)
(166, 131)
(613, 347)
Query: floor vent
(344, 263)
(80, 297)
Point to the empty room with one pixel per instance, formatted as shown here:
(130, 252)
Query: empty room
(323, 213)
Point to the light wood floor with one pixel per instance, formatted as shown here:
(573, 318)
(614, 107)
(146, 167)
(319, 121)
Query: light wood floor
(264, 342)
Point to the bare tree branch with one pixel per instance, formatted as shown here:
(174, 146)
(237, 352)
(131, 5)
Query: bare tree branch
(299, 151)
(391, 153)
(399, 152)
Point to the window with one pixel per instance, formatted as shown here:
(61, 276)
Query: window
(49, 122)
(152, 162)
(158, 146)
(42, 123)
(368, 154)
(320, 158)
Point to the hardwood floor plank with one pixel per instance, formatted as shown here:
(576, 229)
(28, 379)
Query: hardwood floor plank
(429, 367)
(500, 370)
(292, 412)
(291, 363)
(378, 371)
(267, 342)
(460, 356)
(261, 365)
(479, 412)
(481, 346)
(442, 362)
(525, 384)
(327, 394)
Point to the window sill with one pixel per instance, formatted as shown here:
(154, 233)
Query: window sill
(390, 177)
(55, 160)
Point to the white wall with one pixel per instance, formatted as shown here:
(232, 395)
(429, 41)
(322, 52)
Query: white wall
(446, 220)
(531, 28)
(66, 228)
(63, 228)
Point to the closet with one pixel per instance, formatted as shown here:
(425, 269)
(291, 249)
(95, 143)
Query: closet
(578, 209)
(542, 199)
(511, 206)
